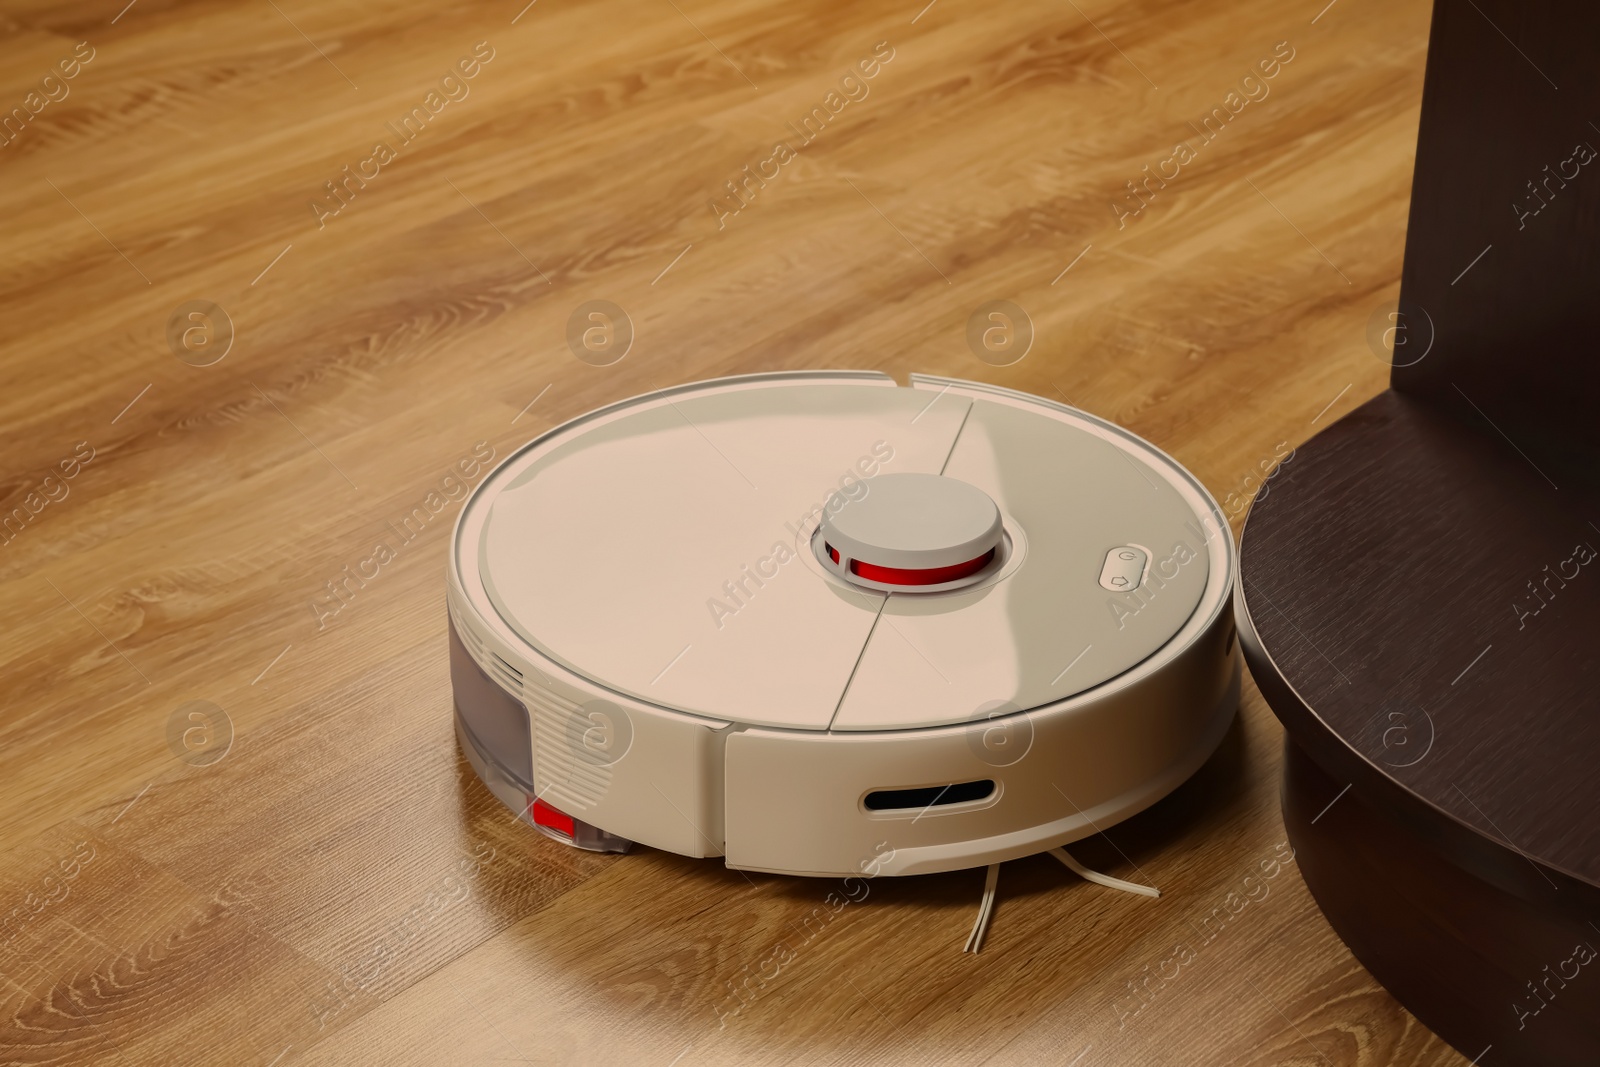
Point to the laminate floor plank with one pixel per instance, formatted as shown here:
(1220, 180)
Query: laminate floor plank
(338, 887)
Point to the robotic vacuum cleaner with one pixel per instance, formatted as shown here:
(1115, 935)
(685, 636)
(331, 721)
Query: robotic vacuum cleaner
(808, 622)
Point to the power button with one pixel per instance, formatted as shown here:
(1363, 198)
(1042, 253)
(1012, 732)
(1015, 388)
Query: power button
(1124, 569)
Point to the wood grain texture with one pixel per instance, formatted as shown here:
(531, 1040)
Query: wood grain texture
(1494, 974)
(1464, 869)
(338, 888)
(1501, 266)
(1439, 657)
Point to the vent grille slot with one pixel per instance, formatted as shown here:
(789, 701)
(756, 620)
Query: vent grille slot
(507, 676)
(932, 796)
(568, 774)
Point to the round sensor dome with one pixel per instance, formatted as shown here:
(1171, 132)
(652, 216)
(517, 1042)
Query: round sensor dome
(912, 531)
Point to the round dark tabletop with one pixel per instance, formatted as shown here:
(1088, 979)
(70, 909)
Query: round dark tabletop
(1420, 605)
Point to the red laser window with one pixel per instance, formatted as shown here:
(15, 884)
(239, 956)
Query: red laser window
(905, 576)
(545, 815)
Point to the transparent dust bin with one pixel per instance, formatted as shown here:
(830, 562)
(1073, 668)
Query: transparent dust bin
(494, 732)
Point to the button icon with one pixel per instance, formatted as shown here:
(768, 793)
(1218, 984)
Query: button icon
(1124, 569)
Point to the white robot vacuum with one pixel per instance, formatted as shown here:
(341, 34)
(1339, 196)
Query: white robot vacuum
(820, 624)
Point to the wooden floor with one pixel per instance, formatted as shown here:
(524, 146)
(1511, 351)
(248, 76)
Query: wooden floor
(337, 887)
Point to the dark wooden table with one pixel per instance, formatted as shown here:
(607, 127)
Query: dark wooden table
(1420, 594)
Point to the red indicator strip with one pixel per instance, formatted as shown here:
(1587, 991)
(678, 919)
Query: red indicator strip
(559, 821)
(904, 576)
